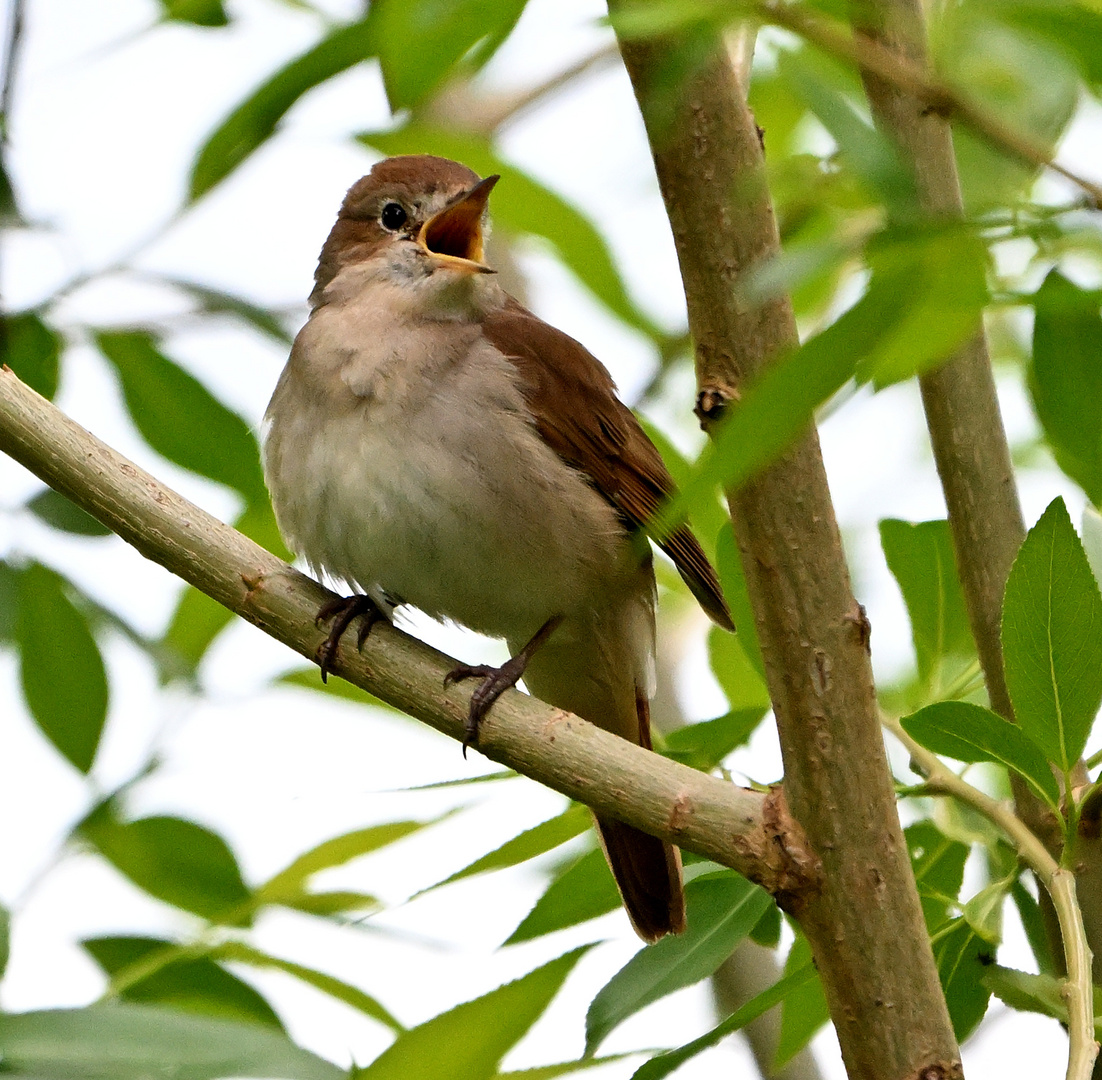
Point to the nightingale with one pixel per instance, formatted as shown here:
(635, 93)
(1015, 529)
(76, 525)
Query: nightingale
(431, 442)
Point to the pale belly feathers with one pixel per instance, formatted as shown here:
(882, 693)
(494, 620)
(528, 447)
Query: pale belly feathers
(411, 464)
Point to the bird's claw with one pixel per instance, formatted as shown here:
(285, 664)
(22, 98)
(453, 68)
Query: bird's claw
(341, 610)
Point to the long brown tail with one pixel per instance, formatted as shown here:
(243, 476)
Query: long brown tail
(647, 870)
(648, 875)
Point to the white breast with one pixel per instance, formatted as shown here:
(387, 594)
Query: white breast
(401, 455)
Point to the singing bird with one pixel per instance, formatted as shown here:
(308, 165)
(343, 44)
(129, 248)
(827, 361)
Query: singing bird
(432, 442)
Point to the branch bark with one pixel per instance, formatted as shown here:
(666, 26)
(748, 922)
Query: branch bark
(865, 926)
(746, 830)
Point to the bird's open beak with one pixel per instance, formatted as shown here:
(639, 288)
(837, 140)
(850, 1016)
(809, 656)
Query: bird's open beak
(453, 237)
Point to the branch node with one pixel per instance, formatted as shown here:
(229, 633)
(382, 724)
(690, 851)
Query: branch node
(711, 403)
(792, 871)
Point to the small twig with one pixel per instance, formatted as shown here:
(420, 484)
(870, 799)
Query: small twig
(904, 74)
(1058, 881)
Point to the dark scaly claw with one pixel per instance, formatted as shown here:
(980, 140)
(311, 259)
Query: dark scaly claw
(495, 680)
(342, 610)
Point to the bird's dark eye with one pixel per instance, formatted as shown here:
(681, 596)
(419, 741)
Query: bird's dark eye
(393, 216)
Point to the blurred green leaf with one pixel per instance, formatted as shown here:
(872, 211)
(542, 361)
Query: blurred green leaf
(216, 301)
(721, 909)
(420, 42)
(538, 840)
(192, 983)
(984, 911)
(333, 902)
(1065, 378)
(199, 12)
(32, 350)
(53, 508)
(967, 732)
(962, 957)
(195, 623)
(733, 580)
(1052, 638)
(705, 744)
(1029, 911)
(522, 206)
(62, 672)
(177, 861)
(1092, 541)
(252, 123)
(1073, 28)
(804, 1010)
(1028, 993)
(564, 1068)
(662, 1065)
(582, 892)
(469, 1041)
(336, 851)
(310, 679)
(136, 1042)
(938, 865)
(743, 687)
(328, 984)
(180, 418)
(868, 152)
(9, 601)
(1016, 75)
(920, 557)
(767, 932)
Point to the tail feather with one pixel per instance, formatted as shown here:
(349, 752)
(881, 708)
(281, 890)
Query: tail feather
(648, 875)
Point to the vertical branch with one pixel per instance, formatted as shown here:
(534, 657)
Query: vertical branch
(966, 430)
(865, 925)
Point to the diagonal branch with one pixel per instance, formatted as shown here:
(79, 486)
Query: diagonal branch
(747, 830)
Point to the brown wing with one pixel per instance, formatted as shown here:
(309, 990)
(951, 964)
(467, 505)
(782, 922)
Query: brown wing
(574, 402)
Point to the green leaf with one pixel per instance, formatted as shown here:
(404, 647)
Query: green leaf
(704, 745)
(328, 984)
(938, 865)
(804, 1011)
(1029, 911)
(196, 622)
(252, 123)
(199, 12)
(582, 892)
(663, 1064)
(565, 1068)
(969, 732)
(733, 580)
(170, 407)
(421, 41)
(962, 957)
(1052, 638)
(721, 909)
(984, 912)
(177, 861)
(538, 840)
(767, 932)
(336, 851)
(53, 508)
(521, 206)
(743, 687)
(193, 983)
(310, 679)
(469, 1041)
(871, 156)
(920, 557)
(62, 672)
(216, 301)
(1092, 540)
(1073, 28)
(1065, 378)
(1028, 993)
(135, 1042)
(9, 601)
(32, 350)
(333, 902)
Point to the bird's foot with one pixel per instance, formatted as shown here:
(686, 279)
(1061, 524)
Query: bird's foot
(341, 610)
(495, 680)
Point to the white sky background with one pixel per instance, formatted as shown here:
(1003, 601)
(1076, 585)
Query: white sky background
(107, 119)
